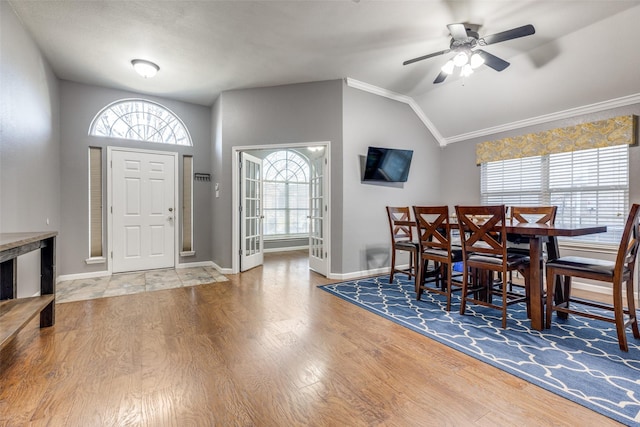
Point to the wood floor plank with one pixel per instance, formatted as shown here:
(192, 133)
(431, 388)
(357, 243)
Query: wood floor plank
(266, 348)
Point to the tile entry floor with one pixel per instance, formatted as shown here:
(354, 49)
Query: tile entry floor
(135, 282)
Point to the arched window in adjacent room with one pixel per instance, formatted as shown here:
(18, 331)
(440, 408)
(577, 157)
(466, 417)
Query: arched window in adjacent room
(286, 194)
(140, 120)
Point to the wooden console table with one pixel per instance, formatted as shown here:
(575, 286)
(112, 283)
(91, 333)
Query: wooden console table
(15, 312)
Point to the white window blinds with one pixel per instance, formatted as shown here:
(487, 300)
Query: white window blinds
(590, 187)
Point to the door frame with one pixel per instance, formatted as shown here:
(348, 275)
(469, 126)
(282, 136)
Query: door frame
(235, 196)
(176, 217)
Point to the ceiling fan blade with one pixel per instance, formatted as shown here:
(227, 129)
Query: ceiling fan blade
(440, 77)
(514, 33)
(492, 60)
(458, 31)
(431, 55)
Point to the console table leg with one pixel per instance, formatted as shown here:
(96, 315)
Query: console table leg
(8, 271)
(47, 280)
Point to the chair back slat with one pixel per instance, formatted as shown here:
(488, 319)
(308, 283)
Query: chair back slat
(433, 227)
(628, 250)
(399, 232)
(538, 214)
(482, 229)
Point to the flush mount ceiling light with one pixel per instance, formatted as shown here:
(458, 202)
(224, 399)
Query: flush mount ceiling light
(145, 68)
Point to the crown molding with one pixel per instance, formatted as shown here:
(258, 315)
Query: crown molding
(376, 90)
(572, 112)
(442, 141)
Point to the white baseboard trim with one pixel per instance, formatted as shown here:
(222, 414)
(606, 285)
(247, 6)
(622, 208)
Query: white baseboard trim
(195, 264)
(79, 276)
(206, 264)
(358, 274)
(222, 270)
(95, 274)
(286, 249)
(588, 287)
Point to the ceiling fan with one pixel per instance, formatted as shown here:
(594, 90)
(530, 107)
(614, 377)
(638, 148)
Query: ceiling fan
(465, 43)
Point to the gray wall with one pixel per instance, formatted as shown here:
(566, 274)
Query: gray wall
(290, 114)
(371, 120)
(29, 143)
(79, 105)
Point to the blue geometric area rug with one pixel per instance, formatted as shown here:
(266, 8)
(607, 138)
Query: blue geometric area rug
(578, 359)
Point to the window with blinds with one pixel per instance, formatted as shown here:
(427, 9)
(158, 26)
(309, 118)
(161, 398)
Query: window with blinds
(589, 187)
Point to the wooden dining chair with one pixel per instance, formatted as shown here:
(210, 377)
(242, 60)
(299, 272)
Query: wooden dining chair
(526, 215)
(434, 245)
(484, 249)
(401, 228)
(617, 273)
(530, 214)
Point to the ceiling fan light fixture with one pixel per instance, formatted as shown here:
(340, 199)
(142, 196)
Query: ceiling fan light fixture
(146, 69)
(448, 67)
(476, 60)
(466, 70)
(461, 59)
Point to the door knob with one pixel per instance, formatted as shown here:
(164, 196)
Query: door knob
(170, 209)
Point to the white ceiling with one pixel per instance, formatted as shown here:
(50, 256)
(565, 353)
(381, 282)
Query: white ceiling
(583, 52)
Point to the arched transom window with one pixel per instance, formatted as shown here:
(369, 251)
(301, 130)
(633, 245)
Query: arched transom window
(140, 120)
(286, 194)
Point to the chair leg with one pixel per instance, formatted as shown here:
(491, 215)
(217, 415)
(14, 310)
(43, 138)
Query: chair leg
(525, 274)
(618, 310)
(567, 292)
(447, 281)
(463, 297)
(413, 263)
(631, 305)
(393, 265)
(416, 282)
(551, 279)
(504, 300)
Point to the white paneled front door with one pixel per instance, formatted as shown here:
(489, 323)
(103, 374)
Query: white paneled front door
(143, 210)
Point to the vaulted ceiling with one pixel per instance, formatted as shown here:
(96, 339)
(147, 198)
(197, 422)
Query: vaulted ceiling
(584, 52)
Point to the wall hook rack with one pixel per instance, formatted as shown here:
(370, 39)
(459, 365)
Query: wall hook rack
(202, 177)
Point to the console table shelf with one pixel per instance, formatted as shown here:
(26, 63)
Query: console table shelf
(15, 312)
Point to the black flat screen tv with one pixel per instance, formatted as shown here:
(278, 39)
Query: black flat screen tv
(387, 164)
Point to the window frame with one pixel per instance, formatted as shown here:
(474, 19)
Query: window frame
(170, 119)
(95, 206)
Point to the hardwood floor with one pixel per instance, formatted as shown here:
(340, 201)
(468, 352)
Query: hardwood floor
(266, 348)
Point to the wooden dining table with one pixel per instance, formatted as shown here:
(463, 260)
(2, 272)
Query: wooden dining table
(537, 233)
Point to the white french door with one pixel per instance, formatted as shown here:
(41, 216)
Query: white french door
(143, 213)
(318, 211)
(252, 252)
